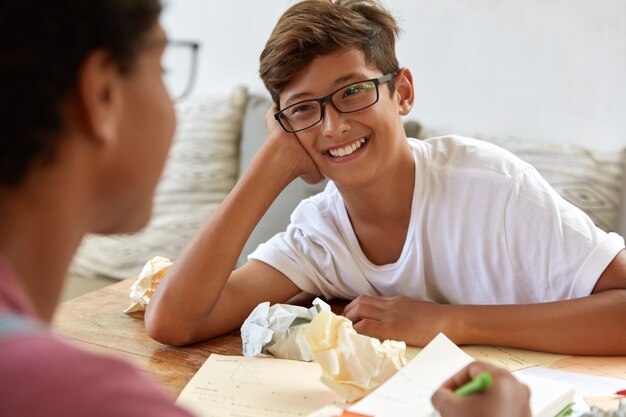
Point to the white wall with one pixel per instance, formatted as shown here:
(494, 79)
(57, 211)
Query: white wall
(535, 69)
(541, 70)
(232, 34)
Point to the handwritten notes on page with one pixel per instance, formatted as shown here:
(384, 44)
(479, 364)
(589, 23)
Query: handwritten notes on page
(236, 386)
(508, 358)
(609, 366)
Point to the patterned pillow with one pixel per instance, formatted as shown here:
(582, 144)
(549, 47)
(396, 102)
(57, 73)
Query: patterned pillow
(592, 180)
(200, 171)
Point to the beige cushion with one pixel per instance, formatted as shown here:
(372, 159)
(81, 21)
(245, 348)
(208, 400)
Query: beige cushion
(200, 171)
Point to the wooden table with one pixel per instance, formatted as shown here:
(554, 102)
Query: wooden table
(96, 322)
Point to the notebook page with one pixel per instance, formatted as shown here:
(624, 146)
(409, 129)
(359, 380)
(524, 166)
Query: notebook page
(238, 386)
(408, 392)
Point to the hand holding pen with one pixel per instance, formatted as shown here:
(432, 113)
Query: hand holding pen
(471, 393)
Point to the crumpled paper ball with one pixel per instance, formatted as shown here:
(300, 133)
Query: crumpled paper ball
(353, 365)
(276, 330)
(147, 282)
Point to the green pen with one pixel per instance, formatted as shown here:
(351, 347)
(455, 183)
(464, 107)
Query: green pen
(479, 383)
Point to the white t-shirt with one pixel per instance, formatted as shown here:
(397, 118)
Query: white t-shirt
(485, 228)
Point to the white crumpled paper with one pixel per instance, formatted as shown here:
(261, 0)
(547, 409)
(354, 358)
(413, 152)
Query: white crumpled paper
(276, 330)
(353, 365)
(148, 280)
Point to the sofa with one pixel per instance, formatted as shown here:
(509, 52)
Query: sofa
(215, 140)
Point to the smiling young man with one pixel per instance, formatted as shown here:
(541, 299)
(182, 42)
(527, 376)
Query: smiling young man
(447, 235)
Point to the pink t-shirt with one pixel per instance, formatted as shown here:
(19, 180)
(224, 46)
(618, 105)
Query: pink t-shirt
(42, 376)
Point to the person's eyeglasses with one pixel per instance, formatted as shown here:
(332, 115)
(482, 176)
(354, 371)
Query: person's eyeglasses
(179, 63)
(348, 99)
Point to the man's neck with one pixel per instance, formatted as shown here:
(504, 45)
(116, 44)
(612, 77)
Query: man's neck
(40, 230)
(380, 213)
(388, 200)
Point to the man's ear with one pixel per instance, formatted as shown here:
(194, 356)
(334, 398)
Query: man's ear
(404, 91)
(99, 96)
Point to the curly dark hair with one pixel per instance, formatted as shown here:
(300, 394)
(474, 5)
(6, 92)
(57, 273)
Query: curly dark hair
(43, 44)
(312, 28)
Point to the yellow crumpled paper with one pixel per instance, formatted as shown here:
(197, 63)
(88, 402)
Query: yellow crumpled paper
(353, 365)
(148, 280)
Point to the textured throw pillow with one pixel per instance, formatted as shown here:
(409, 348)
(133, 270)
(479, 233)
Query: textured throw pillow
(592, 180)
(200, 171)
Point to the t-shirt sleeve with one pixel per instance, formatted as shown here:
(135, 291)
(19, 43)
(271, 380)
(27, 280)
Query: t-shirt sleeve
(297, 255)
(52, 379)
(550, 238)
(314, 253)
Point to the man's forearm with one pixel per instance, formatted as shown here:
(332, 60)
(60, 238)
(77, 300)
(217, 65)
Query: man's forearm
(193, 285)
(592, 325)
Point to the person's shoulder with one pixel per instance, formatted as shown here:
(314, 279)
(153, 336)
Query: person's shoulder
(452, 147)
(70, 382)
(472, 156)
(321, 203)
(319, 214)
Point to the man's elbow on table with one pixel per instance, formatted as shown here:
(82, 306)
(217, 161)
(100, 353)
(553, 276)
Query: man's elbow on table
(164, 330)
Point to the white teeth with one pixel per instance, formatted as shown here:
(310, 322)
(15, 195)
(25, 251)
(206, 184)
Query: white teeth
(347, 150)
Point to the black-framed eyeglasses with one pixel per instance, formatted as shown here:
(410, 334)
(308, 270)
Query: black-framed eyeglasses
(347, 99)
(179, 62)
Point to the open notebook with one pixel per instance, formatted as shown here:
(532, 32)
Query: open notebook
(408, 392)
(237, 386)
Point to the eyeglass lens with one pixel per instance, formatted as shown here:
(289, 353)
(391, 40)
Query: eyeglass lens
(178, 63)
(352, 98)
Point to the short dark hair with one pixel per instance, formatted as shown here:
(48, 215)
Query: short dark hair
(44, 43)
(314, 28)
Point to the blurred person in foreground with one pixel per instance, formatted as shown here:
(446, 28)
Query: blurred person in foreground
(85, 127)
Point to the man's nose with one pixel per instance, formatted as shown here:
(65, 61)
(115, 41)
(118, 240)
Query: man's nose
(333, 121)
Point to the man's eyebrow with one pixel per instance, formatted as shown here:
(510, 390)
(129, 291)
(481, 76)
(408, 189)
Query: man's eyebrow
(347, 78)
(296, 97)
(337, 83)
